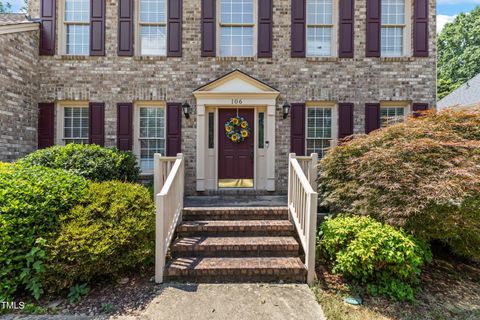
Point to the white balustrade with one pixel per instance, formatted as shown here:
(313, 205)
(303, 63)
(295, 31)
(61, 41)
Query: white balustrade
(169, 186)
(302, 205)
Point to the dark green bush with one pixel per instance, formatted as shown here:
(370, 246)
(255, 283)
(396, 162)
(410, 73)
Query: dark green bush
(423, 175)
(377, 255)
(90, 161)
(31, 200)
(108, 233)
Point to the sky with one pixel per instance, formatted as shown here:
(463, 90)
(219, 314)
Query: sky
(446, 9)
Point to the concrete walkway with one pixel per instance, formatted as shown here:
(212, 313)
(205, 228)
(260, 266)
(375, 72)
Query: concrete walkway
(232, 302)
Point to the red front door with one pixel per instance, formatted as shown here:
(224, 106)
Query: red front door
(235, 159)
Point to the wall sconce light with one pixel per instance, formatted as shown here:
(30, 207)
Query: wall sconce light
(286, 109)
(186, 109)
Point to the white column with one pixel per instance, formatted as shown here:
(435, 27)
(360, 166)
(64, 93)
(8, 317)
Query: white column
(201, 147)
(270, 156)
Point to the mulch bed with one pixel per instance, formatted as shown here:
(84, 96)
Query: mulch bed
(450, 290)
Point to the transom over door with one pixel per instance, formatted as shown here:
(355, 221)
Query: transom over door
(235, 159)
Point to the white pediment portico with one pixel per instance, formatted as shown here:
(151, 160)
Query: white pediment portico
(236, 83)
(241, 94)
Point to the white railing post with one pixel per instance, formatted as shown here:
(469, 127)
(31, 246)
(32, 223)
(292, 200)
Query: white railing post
(157, 181)
(159, 238)
(290, 172)
(311, 236)
(313, 172)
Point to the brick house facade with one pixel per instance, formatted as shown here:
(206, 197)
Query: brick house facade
(357, 87)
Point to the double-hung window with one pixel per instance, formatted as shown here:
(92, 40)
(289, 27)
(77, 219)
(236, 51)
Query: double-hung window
(77, 27)
(151, 135)
(320, 130)
(393, 28)
(390, 115)
(153, 27)
(236, 24)
(75, 124)
(320, 23)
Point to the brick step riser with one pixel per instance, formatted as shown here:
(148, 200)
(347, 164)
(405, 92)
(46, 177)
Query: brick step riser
(234, 253)
(239, 278)
(236, 216)
(235, 233)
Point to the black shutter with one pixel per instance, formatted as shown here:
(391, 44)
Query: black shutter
(208, 28)
(345, 120)
(298, 33)
(125, 28)
(96, 128)
(174, 128)
(174, 28)
(297, 129)
(97, 27)
(373, 28)
(47, 27)
(420, 28)
(46, 118)
(124, 126)
(265, 26)
(372, 117)
(346, 29)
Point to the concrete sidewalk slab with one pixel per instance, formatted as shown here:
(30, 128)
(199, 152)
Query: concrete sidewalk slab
(232, 302)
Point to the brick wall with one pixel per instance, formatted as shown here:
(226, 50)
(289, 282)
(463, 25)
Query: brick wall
(18, 94)
(115, 79)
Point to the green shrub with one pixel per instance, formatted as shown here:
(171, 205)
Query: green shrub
(385, 259)
(111, 231)
(423, 175)
(87, 160)
(31, 200)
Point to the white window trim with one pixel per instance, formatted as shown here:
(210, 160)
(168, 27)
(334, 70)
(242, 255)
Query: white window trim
(323, 104)
(62, 29)
(407, 31)
(137, 43)
(60, 121)
(333, 25)
(136, 127)
(254, 25)
(396, 104)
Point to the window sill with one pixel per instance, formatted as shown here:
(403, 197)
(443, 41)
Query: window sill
(397, 59)
(228, 59)
(324, 59)
(150, 58)
(72, 57)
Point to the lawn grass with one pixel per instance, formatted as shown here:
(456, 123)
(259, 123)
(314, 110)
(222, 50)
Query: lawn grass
(450, 291)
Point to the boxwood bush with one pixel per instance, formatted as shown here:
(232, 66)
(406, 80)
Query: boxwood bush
(377, 255)
(87, 160)
(423, 175)
(109, 232)
(31, 199)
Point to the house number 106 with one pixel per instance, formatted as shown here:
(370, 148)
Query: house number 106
(237, 101)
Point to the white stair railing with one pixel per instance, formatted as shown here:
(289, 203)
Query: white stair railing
(169, 185)
(302, 205)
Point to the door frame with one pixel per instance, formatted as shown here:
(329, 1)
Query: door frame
(256, 110)
(206, 175)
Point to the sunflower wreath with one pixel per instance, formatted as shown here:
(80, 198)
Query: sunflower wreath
(237, 129)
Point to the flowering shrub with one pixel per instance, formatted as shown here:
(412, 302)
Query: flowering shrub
(377, 255)
(423, 175)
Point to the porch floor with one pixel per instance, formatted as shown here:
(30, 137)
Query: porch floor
(236, 201)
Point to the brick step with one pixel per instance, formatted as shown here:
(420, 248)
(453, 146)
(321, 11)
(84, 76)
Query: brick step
(235, 213)
(235, 247)
(258, 269)
(236, 228)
